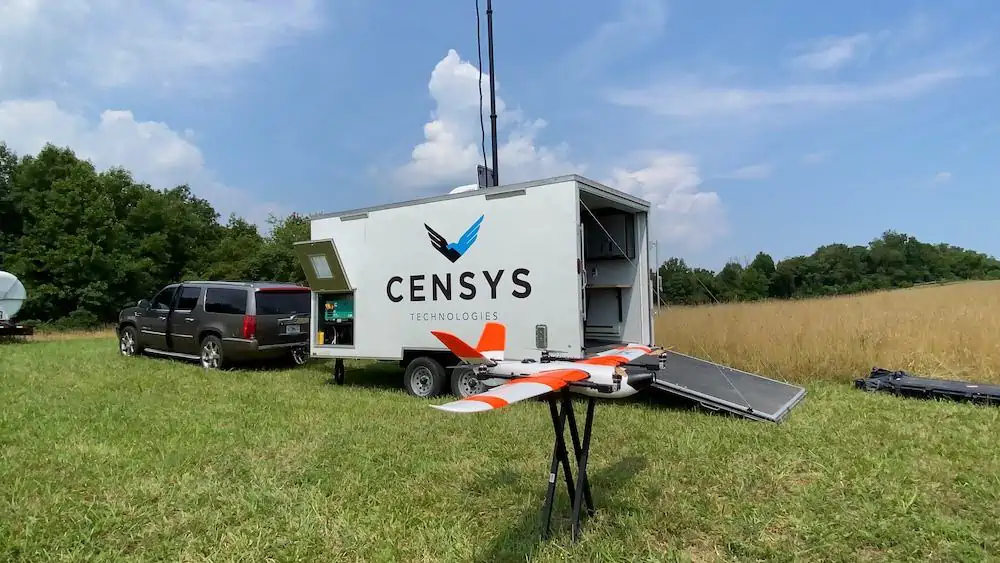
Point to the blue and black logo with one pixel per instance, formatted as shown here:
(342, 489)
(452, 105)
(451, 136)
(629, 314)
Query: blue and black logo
(490, 283)
(454, 250)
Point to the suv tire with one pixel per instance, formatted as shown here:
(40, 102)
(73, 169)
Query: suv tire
(424, 377)
(299, 355)
(211, 354)
(128, 342)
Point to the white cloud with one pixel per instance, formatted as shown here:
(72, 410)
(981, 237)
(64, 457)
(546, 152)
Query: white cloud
(688, 99)
(55, 54)
(637, 24)
(451, 149)
(154, 153)
(751, 172)
(682, 215)
(942, 178)
(111, 43)
(904, 63)
(829, 53)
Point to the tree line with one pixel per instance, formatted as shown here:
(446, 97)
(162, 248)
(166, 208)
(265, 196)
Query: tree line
(894, 260)
(86, 243)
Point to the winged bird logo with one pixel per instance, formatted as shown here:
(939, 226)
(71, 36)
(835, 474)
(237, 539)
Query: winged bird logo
(454, 250)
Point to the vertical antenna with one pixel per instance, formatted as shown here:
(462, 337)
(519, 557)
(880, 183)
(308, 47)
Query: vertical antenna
(659, 282)
(493, 98)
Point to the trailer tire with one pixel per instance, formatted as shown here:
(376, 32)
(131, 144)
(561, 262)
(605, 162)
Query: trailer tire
(464, 383)
(424, 377)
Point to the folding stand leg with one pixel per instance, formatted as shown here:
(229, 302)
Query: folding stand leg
(583, 484)
(580, 492)
(581, 452)
(559, 455)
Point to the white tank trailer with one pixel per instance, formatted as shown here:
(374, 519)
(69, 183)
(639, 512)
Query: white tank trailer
(12, 297)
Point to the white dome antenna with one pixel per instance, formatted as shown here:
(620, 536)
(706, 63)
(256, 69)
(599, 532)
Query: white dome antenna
(12, 295)
(465, 188)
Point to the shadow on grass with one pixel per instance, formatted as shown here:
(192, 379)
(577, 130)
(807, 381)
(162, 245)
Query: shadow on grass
(520, 542)
(654, 398)
(362, 374)
(8, 340)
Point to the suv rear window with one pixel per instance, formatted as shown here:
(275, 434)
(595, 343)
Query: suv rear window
(224, 300)
(283, 302)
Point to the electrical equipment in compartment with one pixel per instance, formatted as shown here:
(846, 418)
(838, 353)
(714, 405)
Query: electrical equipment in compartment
(335, 319)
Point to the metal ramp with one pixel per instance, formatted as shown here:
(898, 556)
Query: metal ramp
(719, 387)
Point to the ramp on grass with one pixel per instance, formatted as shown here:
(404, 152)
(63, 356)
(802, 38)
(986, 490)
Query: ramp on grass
(719, 387)
(902, 383)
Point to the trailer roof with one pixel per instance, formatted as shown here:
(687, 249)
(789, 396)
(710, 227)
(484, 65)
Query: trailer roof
(592, 184)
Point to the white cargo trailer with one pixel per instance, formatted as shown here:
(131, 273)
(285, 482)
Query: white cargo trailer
(563, 263)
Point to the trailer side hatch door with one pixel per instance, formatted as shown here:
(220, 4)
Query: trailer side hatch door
(321, 263)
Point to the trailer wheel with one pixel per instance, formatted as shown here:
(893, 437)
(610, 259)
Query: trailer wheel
(424, 377)
(465, 383)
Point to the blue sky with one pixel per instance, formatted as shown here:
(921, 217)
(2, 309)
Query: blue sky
(774, 125)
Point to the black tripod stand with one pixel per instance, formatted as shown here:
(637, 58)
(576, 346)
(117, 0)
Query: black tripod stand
(580, 491)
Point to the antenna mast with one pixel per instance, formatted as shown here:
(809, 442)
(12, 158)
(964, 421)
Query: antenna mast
(493, 97)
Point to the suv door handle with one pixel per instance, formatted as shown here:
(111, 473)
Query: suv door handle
(189, 319)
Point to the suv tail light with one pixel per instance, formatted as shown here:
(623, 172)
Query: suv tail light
(249, 326)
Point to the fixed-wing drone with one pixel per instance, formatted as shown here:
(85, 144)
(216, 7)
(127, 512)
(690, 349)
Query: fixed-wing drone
(597, 375)
(600, 375)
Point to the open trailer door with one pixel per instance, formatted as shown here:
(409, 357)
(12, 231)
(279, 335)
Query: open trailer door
(334, 303)
(718, 387)
(322, 266)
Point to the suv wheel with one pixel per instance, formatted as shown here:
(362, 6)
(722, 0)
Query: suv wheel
(212, 356)
(128, 344)
(300, 355)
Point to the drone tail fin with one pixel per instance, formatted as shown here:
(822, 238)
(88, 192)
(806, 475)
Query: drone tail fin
(465, 353)
(488, 350)
(492, 341)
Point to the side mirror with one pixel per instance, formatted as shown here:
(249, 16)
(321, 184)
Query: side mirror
(143, 304)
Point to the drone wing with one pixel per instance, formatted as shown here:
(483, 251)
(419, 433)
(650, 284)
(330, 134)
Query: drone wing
(618, 356)
(517, 390)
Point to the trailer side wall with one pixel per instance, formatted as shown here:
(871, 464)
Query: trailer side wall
(519, 268)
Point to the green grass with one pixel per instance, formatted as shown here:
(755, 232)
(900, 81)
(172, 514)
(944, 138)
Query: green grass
(105, 458)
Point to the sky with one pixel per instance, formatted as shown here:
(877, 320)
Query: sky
(779, 125)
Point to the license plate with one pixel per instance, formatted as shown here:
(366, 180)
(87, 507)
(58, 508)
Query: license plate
(291, 329)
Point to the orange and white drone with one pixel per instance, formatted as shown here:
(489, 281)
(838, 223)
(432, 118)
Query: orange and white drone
(597, 375)
(604, 374)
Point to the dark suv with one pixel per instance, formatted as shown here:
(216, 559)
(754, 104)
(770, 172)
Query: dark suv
(220, 321)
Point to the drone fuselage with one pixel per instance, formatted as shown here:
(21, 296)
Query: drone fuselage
(600, 375)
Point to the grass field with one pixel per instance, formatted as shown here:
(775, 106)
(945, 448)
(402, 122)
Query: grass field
(948, 331)
(106, 458)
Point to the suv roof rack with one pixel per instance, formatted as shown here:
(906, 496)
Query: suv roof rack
(245, 282)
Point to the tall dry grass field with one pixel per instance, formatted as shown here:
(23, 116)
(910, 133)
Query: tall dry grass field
(949, 331)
